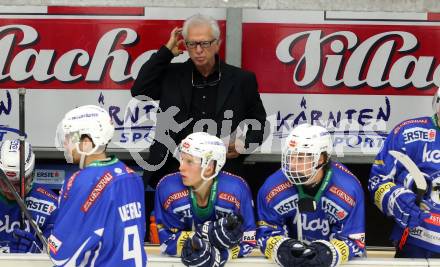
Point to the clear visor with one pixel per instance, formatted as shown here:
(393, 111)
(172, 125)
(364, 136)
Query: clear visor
(299, 167)
(66, 142)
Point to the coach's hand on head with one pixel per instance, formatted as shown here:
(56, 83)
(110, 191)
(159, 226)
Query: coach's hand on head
(174, 42)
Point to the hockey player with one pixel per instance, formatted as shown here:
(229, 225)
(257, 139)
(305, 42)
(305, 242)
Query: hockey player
(391, 186)
(40, 201)
(311, 212)
(101, 220)
(203, 214)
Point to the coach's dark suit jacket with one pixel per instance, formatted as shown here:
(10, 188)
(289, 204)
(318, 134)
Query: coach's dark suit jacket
(171, 84)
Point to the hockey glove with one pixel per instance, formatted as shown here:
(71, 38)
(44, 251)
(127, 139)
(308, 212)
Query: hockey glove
(197, 252)
(224, 233)
(402, 206)
(321, 253)
(23, 242)
(290, 252)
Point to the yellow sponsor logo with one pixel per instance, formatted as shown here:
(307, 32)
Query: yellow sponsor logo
(380, 192)
(342, 249)
(263, 223)
(184, 235)
(234, 252)
(174, 230)
(379, 162)
(270, 245)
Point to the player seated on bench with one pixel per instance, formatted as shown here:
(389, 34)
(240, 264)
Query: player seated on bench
(204, 215)
(311, 211)
(40, 201)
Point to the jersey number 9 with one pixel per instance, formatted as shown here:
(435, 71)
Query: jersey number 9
(132, 247)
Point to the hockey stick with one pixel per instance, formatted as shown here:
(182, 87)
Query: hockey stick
(299, 226)
(24, 210)
(21, 122)
(419, 181)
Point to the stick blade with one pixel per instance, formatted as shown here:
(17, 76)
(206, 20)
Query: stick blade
(412, 168)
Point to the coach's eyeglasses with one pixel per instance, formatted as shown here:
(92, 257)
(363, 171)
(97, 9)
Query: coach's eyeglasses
(205, 83)
(203, 44)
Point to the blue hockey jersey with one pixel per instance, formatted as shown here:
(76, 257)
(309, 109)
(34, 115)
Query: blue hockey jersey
(176, 219)
(41, 203)
(339, 216)
(419, 140)
(101, 219)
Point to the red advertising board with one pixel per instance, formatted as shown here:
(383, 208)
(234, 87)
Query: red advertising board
(343, 58)
(309, 69)
(78, 53)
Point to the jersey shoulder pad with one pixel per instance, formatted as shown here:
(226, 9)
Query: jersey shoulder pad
(345, 186)
(416, 122)
(170, 184)
(275, 185)
(40, 190)
(231, 180)
(168, 177)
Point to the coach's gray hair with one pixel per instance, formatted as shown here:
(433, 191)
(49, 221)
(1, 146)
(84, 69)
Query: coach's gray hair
(199, 19)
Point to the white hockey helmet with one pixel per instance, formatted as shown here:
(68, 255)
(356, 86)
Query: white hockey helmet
(89, 120)
(206, 147)
(10, 163)
(436, 102)
(304, 145)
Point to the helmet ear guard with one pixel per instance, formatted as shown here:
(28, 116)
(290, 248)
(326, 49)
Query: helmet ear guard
(302, 151)
(208, 148)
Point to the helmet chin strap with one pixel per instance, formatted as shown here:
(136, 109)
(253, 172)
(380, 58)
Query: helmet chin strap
(81, 161)
(312, 180)
(205, 179)
(84, 154)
